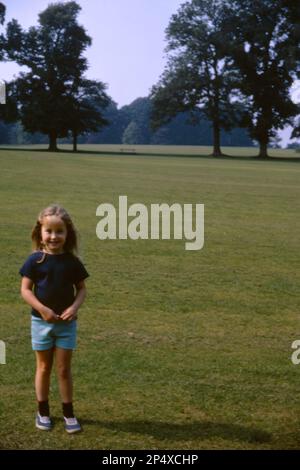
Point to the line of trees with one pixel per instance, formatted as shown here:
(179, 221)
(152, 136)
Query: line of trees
(130, 125)
(231, 61)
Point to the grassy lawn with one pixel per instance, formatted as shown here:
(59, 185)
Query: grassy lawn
(177, 349)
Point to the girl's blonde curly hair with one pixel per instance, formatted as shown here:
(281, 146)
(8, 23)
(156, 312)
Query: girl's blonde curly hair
(71, 244)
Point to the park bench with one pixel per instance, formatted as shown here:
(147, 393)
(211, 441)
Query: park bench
(127, 150)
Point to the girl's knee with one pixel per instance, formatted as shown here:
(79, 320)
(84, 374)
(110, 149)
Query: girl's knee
(44, 361)
(64, 372)
(44, 368)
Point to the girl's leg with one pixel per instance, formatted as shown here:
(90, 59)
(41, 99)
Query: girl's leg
(63, 365)
(44, 361)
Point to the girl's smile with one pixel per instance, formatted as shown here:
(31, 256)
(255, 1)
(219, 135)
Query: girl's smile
(54, 234)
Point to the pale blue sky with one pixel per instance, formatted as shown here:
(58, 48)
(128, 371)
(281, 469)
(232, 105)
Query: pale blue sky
(128, 45)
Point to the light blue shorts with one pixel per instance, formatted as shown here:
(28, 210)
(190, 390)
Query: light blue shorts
(49, 335)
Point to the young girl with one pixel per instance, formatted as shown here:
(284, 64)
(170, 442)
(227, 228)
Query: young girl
(57, 277)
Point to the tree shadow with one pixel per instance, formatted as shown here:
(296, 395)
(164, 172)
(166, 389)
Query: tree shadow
(186, 432)
(154, 154)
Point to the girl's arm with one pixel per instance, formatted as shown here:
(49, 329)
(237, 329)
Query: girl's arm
(29, 297)
(71, 312)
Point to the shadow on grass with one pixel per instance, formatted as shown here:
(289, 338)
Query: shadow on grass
(153, 154)
(186, 432)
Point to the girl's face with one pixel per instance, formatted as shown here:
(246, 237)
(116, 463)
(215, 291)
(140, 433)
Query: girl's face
(54, 234)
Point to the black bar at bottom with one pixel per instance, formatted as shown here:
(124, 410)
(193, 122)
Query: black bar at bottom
(152, 458)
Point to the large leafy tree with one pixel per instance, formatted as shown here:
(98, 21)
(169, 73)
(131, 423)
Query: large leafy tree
(53, 52)
(198, 75)
(263, 37)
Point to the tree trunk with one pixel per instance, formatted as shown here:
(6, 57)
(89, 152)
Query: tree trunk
(216, 140)
(52, 142)
(263, 150)
(263, 132)
(74, 141)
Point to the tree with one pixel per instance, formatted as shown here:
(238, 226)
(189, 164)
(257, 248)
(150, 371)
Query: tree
(294, 145)
(2, 42)
(4, 133)
(132, 134)
(84, 109)
(198, 75)
(296, 129)
(2, 12)
(53, 52)
(110, 134)
(2, 39)
(138, 130)
(263, 37)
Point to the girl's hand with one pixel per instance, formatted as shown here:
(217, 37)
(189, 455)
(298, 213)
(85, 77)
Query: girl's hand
(69, 314)
(49, 315)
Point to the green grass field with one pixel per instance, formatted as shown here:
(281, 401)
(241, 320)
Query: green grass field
(177, 349)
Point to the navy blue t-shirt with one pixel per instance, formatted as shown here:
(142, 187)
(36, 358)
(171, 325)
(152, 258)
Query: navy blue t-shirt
(54, 279)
